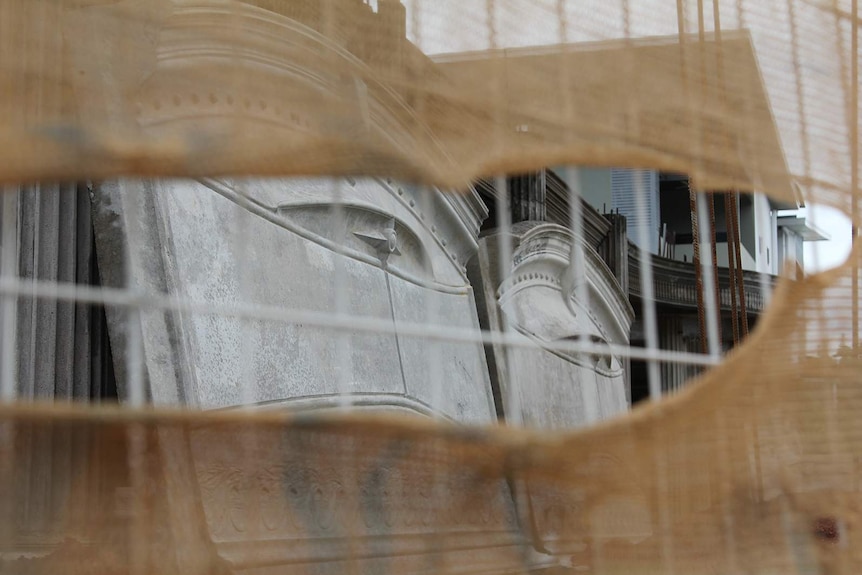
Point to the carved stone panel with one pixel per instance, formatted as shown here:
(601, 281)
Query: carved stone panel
(313, 504)
(540, 303)
(293, 248)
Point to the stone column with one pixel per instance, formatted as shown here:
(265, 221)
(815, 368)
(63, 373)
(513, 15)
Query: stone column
(56, 341)
(61, 352)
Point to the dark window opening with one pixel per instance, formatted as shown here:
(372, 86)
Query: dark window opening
(103, 381)
(639, 380)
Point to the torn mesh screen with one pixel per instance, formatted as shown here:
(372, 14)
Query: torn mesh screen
(753, 469)
(92, 89)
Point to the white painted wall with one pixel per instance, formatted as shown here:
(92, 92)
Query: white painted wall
(765, 231)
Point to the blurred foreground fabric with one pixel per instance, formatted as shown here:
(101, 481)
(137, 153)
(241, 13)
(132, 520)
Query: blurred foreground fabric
(95, 88)
(755, 469)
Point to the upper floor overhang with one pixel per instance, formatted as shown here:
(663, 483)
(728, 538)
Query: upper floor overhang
(804, 228)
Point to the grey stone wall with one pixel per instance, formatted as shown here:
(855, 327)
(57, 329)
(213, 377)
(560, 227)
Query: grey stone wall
(281, 244)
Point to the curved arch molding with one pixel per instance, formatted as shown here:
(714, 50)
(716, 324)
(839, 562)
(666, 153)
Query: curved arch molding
(538, 303)
(273, 242)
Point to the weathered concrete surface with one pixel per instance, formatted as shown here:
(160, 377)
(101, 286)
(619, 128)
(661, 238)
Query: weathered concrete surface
(538, 303)
(439, 373)
(280, 244)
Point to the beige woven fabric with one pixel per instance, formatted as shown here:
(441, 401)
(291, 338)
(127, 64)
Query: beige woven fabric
(754, 469)
(95, 88)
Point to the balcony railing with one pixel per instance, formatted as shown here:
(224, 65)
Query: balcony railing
(674, 283)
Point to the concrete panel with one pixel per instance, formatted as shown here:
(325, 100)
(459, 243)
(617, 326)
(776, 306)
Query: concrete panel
(539, 304)
(272, 267)
(549, 388)
(450, 377)
(559, 394)
(275, 243)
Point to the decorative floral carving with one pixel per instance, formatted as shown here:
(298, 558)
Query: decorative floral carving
(319, 498)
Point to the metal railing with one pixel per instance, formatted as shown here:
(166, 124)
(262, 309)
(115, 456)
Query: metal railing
(675, 283)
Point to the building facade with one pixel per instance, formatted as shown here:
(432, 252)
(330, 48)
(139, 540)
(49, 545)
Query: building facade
(402, 250)
(373, 251)
(770, 238)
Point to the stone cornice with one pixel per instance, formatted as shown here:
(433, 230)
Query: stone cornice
(271, 214)
(278, 60)
(549, 245)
